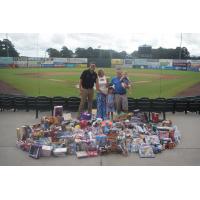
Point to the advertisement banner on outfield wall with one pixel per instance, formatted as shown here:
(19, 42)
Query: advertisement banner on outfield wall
(165, 62)
(21, 63)
(195, 63)
(128, 62)
(180, 63)
(140, 62)
(47, 63)
(6, 60)
(81, 65)
(34, 63)
(117, 61)
(70, 65)
(77, 60)
(23, 58)
(70, 60)
(48, 59)
(39, 59)
(153, 62)
(60, 60)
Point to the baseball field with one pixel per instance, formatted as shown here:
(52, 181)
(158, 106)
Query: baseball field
(64, 81)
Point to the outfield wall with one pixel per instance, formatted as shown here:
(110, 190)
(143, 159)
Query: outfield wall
(26, 62)
(170, 64)
(31, 62)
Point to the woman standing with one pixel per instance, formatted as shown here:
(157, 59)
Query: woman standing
(102, 91)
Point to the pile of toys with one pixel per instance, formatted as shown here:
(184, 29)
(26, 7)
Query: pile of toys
(60, 135)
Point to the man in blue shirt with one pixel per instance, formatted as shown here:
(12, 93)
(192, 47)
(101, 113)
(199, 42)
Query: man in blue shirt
(121, 99)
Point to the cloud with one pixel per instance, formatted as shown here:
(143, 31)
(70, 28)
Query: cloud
(35, 44)
(192, 42)
(58, 39)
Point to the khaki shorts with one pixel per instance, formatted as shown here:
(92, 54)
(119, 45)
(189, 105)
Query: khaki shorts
(121, 103)
(86, 96)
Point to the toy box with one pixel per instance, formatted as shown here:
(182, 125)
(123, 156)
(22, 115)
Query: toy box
(157, 148)
(146, 151)
(138, 141)
(58, 111)
(24, 132)
(60, 151)
(101, 138)
(92, 153)
(81, 154)
(35, 151)
(152, 139)
(46, 151)
(163, 134)
(85, 116)
(71, 149)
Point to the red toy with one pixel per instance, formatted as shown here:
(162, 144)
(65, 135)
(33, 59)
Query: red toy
(92, 153)
(155, 117)
(83, 124)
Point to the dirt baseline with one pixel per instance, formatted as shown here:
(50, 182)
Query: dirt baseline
(6, 88)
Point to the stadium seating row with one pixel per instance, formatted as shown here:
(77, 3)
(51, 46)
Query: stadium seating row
(43, 103)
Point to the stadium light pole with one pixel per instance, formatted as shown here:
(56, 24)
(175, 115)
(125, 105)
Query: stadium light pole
(99, 47)
(110, 56)
(7, 45)
(180, 47)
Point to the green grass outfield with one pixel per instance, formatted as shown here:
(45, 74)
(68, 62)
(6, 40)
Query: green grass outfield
(63, 81)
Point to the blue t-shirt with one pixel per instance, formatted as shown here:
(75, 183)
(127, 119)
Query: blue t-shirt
(118, 86)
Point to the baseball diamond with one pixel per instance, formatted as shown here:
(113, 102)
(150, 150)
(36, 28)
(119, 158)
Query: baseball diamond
(63, 82)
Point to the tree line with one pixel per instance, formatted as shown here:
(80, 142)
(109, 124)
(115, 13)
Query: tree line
(163, 53)
(7, 49)
(87, 53)
(159, 53)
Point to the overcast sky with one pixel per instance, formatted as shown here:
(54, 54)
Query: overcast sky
(35, 44)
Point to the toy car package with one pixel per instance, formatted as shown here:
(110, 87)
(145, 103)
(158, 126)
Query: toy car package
(35, 151)
(46, 151)
(146, 151)
(60, 151)
(82, 154)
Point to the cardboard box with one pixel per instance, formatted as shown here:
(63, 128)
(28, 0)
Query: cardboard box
(146, 151)
(58, 111)
(46, 151)
(81, 154)
(61, 151)
(35, 151)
